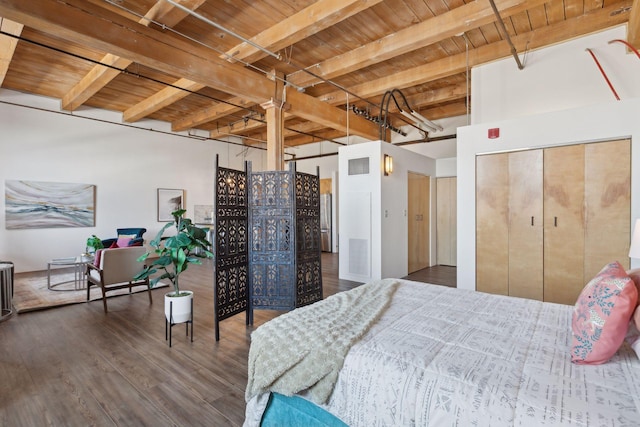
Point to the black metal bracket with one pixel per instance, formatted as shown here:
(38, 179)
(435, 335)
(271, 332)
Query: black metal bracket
(168, 326)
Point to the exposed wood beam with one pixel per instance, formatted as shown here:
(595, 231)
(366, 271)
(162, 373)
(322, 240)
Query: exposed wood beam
(100, 76)
(584, 24)
(467, 17)
(314, 18)
(100, 29)
(431, 31)
(445, 94)
(633, 30)
(448, 110)
(248, 127)
(318, 137)
(210, 114)
(8, 44)
(444, 111)
(159, 100)
(299, 129)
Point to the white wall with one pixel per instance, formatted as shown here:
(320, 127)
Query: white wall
(374, 207)
(605, 121)
(559, 98)
(125, 163)
(556, 78)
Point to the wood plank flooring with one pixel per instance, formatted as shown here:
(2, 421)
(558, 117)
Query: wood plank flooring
(76, 366)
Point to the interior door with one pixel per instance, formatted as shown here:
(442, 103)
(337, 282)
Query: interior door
(446, 221)
(564, 223)
(525, 224)
(607, 204)
(418, 221)
(492, 223)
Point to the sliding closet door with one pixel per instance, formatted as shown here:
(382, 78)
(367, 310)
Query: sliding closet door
(608, 204)
(492, 223)
(525, 224)
(564, 223)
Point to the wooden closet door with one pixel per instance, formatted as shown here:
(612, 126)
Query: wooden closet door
(525, 224)
(608, 204)
(563, 223)
(446, 221)
(492, 223)
(418, 221)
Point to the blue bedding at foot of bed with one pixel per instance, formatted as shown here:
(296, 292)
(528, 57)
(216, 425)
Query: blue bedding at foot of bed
(294, 411)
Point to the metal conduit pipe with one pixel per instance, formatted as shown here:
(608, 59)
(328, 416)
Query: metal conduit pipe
(514, 52)
(593, 55)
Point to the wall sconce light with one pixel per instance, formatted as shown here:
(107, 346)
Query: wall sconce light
(388, 165)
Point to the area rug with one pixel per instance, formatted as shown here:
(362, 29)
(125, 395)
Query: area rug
(30, 291)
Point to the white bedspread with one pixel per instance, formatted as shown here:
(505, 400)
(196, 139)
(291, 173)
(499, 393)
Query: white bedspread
(450, 357)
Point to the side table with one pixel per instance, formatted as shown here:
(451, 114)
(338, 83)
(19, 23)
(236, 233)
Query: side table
(6, 289)
(78, 263)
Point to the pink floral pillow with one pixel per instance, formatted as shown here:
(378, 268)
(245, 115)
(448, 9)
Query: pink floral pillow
(601, 315)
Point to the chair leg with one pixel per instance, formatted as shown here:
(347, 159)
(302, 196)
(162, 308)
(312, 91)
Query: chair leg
(104, 299)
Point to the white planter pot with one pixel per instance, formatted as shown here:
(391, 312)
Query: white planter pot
(178, 307)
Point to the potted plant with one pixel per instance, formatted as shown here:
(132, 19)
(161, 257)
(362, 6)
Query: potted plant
(172, 256)
(93, 244)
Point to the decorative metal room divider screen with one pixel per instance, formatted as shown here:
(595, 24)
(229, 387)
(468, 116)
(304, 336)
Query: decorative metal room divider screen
(267, 241)
(231, 291)
(284, 251)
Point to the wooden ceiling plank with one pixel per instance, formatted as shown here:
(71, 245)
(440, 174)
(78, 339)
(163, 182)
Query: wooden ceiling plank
(437, 96)
(312, 19)
(309, 139)
(248, 126)
(633, 30)
(161, 99)
(8, 44)
(455, 64)
(209, 114)
(100, 76)
(100, 29)
(458, 20)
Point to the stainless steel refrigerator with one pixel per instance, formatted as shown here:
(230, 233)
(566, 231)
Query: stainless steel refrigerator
(325, 222)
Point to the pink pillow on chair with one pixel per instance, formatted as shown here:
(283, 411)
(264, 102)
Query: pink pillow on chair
(601, 315)
(123, 242)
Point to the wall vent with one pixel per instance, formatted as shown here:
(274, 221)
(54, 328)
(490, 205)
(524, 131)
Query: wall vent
(359, 166)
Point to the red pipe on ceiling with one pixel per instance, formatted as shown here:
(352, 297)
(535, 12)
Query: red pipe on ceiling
(604, 74)
(629, 45)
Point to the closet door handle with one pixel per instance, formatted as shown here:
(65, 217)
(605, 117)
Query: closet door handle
(555, 221)
(532, 221)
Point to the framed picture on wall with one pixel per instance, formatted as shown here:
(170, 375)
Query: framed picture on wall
(43, 204)
(169, 200)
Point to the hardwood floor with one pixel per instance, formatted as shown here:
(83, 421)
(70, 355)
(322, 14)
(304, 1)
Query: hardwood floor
(76, 366)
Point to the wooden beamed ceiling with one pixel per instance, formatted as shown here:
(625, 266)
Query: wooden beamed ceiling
(152, 59)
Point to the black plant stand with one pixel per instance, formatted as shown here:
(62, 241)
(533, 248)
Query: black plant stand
(169, 325)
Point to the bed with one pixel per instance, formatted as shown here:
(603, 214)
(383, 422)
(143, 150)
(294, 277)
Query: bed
(437, 356)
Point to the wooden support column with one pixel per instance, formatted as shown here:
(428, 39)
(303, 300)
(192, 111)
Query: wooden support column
(275, 131)
(275, 109)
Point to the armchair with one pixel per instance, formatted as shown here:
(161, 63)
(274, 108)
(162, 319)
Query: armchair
(135, 234)
(115, 270)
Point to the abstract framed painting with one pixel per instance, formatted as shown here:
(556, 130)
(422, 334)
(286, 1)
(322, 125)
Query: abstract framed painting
(41, 204)
(169, 200)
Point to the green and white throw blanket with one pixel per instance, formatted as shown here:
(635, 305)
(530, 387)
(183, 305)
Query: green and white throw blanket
(303, 350)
